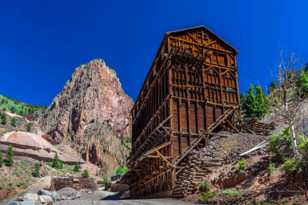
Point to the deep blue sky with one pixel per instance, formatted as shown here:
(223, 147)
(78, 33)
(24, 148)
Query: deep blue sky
(42, 42)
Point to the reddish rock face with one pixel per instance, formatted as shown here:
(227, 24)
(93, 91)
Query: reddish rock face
(92, 112)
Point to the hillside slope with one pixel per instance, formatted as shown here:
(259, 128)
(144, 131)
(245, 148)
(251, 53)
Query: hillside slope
(18, 107)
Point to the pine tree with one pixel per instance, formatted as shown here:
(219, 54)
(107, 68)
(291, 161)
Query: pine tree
(249, 105)
(261, 103)
(272, 86)
(9, 156)
(56, 162)
(255, 102)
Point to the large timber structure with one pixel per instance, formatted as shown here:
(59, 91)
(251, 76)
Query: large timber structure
(190, 92)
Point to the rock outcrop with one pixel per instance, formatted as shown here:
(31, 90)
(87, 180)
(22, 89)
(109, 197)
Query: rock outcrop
(92, 113)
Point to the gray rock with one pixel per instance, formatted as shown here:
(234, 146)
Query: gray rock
(26, 202)
(68, 193)
(30, 197)
(45, 199)
(53, 194)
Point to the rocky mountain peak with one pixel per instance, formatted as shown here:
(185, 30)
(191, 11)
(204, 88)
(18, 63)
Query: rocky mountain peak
(91, 106)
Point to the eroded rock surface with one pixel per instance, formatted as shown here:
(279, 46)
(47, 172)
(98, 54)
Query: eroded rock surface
(92, 113)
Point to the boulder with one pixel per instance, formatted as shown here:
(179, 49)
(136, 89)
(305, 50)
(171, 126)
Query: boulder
(30, 197)
(68, 193)
(45, 199)
(53, 194)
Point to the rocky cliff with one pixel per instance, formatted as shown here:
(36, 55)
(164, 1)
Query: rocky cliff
(92, 114)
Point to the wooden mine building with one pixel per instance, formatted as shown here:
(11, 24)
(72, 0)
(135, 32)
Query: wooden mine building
(190, 92)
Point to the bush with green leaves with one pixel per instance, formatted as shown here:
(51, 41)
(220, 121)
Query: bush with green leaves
(204, 187)
(281, 144)
(9, 157)
(241, 164)
(302, 81)
(76, 168)
(29, 127)
(205, 196)
(13, 122)
(36, 170)
(85, 174)
(121, 170)
(292, 166)
(303, 145)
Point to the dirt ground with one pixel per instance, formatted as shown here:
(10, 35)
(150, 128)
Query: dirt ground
(125, 202)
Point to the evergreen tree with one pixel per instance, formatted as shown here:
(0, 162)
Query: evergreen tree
(249, 105)
(255, 102)
(9, 156)
(261, 103)
(272, 86)
(56, 162)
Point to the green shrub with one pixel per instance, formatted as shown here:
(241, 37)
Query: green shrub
(13, 122)
(29, 127)
(2, 118)
(230, 192)
(204, 187)
(241, 164)
(76, 168)
(292, 166)
(271, 168)
(302, 81)
(205, 196)
(56, 162)
(121, 170)
(106, 182)
(303, 145)
(85, 174)
(9, 157)
(36, 170)
(1, 159)
(280, 144)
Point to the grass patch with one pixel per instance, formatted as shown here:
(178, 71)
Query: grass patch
(205, 196)
(271, 168)
(241, 165)
(230, 192)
